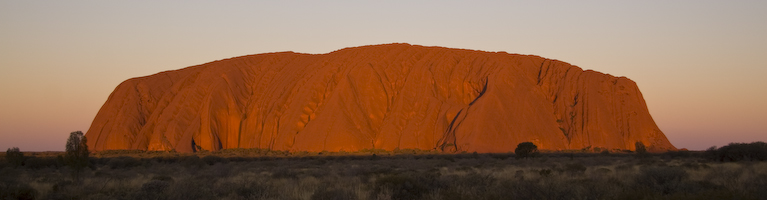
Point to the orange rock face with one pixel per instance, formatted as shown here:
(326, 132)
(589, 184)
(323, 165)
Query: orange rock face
(376, 97)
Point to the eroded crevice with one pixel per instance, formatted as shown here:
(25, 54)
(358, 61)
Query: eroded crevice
(142, 117)
(195, 147)
(448, 138)
(540, 70)
(239, 130)
(484, 89)
(575, 100)
(383, 86)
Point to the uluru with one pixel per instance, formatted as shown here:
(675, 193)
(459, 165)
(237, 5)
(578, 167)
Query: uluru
(391, 96)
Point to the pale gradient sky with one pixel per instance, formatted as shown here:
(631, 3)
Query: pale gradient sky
(701, 65)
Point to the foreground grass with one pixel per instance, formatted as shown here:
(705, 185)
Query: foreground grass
(402, 176)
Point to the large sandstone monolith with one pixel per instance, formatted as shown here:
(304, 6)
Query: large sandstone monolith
(376, 97)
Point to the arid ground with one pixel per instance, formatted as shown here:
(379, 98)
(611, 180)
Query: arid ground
(404, 174)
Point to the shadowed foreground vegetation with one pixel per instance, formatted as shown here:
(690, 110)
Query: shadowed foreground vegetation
(406, 174)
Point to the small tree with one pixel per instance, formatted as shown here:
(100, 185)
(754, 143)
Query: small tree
(525, 150)
(641, 150)
(76, 156)
(14, 156)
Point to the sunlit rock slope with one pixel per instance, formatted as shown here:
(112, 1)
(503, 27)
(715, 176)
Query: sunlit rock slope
(376, 97)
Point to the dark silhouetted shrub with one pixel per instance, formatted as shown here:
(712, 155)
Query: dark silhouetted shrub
(325, 193)
(500, 156)
(678, 154)
(154, 189)
(624, 167)
(575, 168)
(603, 171)
(65, 189)
(469, 186)
(520, 189)
(711, 153)
(407, 185)
(211, 159)
(191, 189)
(693, 166)
(42, 162)
(61, 185)
(756, 151)
(16, 190)
(246, 189)
(544, 172)
(14, 156)
(519, 174)
(665, 180)
(526, 150)
(165, 178)
(191, 161)
(755, 186)
(123, 162)
(640, 150)
(285, 173)
(76, 155)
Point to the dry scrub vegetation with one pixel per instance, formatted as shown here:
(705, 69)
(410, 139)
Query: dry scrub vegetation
(407, 174)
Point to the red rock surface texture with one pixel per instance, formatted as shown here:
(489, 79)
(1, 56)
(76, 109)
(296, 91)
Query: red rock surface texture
(377, 97)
